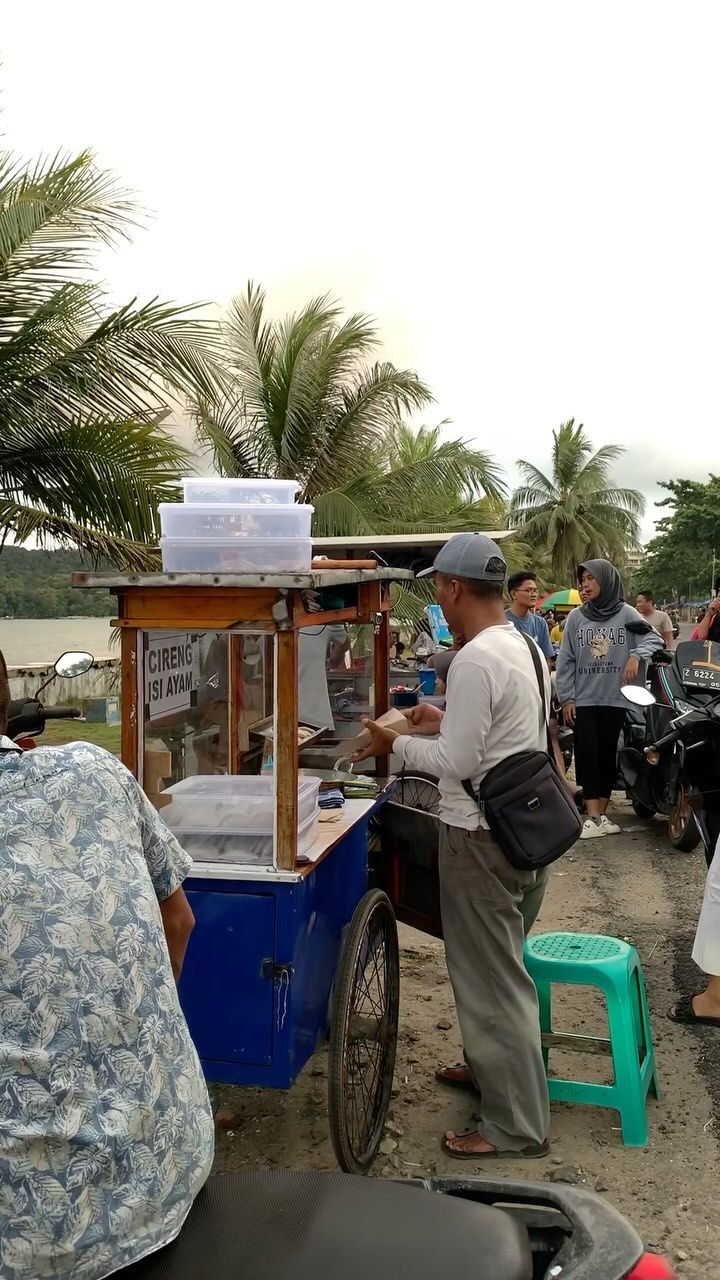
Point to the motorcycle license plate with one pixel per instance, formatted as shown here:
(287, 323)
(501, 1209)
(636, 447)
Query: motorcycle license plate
(701, 677)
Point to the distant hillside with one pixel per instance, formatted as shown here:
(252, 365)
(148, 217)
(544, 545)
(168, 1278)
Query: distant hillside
(36, 584)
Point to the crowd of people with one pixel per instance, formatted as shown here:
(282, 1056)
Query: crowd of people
(109, 1142)
(494, 710)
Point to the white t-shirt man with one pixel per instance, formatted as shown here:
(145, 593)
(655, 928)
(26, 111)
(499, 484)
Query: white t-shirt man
(493, 710)
(313, 696)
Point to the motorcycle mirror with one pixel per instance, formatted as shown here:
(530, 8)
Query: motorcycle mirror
(69, 665)
(638, 694)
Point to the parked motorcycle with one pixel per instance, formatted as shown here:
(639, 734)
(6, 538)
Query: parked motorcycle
(670, 759)
(276, 1225)
(28, 716)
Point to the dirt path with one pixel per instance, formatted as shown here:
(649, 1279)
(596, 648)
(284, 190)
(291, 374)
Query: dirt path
(629, 886)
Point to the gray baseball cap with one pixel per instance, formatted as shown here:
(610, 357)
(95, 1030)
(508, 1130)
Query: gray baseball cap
(470, 555)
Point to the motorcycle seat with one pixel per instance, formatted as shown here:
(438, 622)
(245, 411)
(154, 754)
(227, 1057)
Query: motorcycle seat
(321, 1226)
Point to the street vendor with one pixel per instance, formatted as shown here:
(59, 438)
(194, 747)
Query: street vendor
(494, 710)
(319, 647)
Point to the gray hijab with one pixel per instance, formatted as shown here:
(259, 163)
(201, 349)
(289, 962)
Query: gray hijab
(611, 598)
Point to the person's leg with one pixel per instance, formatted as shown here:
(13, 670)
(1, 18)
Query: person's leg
(706, 1004)
(609, 724)
(706, 947)
(585, 737)
(480, 896)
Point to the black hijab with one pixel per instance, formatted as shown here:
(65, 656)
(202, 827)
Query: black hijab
(610, 600)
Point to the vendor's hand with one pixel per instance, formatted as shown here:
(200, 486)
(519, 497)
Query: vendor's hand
(569, 714)
(425, 718)
(632, 666)
(714, 605)
(381, 743)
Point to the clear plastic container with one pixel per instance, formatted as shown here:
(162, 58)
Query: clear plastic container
(237, 555)
(225, 521)
(215, 489)
(222, 802)
(243, 848)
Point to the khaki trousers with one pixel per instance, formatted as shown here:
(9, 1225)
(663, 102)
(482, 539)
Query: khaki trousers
(487, 909)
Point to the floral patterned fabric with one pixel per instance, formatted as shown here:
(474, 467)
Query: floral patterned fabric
(106, 1131)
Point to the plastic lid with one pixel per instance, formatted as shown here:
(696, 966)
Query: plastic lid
(255, 481)
(236, 508)
(224, 784)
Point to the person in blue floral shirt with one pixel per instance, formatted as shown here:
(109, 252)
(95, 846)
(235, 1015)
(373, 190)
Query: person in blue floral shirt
(106, 1129)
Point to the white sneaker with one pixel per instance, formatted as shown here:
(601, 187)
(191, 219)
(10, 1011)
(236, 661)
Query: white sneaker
(609, 828)
(592, 830)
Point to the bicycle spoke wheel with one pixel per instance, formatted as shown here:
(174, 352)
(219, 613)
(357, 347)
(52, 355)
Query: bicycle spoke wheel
(363, 1033)
(418, 791)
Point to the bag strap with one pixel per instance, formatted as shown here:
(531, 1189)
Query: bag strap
(537, 663)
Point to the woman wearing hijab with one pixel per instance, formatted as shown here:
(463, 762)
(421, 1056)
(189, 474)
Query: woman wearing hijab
(605, 645)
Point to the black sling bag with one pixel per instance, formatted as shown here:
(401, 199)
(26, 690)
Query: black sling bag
(525, 801)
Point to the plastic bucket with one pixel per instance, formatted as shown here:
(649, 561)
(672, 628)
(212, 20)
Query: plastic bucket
(427, 677)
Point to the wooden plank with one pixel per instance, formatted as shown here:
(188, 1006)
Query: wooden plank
(327, 618)
(286, 749)
(313, 578)
(368, 601)
(130, 729)
(196, 609)
(381, 677)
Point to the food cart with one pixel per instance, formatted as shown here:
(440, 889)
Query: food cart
(289, 944)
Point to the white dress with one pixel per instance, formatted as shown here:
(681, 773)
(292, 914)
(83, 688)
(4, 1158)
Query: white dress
(706, 949)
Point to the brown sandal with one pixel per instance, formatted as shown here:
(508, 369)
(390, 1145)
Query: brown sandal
(443, 1076)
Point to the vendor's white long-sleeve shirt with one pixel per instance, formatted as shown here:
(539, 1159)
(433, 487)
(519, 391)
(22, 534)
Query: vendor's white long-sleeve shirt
(493, 710)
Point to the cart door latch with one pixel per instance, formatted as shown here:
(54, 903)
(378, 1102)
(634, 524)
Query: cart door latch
(276, 972)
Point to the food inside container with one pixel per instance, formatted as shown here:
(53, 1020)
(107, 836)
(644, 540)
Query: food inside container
(222, 801)
(220, 817)
(246, 848)
(228, 521)
(238, 555)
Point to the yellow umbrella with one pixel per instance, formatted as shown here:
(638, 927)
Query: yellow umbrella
(567, 599)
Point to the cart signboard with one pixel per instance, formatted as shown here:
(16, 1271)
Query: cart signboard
(172, 667)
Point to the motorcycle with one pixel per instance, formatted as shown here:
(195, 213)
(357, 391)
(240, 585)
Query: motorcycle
(670, 758)
(417, 1229)
(28, 716)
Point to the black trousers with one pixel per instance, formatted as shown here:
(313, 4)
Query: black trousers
(597, 730)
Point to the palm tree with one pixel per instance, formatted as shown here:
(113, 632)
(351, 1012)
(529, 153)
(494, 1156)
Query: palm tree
(576, 511)
(84, 388)
(302, 402)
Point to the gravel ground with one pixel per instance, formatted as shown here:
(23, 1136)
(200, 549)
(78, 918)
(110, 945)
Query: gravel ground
(632, 886)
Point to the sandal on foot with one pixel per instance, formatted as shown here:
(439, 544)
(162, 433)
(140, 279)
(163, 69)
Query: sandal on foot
(537, 1151)
(683, 1012)
(453, 1082)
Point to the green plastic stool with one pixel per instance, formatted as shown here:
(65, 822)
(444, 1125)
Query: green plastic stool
(592, 960)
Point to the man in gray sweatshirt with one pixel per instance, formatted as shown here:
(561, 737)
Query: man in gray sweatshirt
(605, 645)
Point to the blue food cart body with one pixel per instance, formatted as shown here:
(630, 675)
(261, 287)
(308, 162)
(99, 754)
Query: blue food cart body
(257, 982)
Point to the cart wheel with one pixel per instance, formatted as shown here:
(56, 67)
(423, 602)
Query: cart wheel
(418, 791)
(363, 1033)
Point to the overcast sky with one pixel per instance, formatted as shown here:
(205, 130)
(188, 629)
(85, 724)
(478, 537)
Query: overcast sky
(525, 195)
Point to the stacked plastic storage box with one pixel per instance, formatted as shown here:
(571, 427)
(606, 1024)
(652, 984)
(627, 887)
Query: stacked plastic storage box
(221, 818)
(236, 526)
